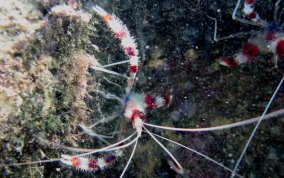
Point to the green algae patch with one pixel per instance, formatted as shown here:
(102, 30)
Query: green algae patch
(43, 64)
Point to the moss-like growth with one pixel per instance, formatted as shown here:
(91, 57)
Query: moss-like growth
(44, 75)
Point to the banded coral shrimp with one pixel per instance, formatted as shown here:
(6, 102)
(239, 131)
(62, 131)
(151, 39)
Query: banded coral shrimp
(256, 42)
(267, 40)
(109, 96)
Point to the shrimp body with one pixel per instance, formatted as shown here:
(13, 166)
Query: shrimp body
(136, 106)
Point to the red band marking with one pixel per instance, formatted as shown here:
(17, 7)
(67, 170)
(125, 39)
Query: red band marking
(107, 18)
(250, 1)
(252, 15)
(150, 101)
(75, 162)
(130, 51)
(120, 34)
(93, 165)
(251, 51)
(133, 69)
(168, 99)
(231, 62)
(280, 48)
(270, 36)
(137, 114)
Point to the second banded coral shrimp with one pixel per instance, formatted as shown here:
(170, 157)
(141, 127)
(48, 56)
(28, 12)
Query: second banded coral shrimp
(267, 40)
(259, 57)
(132, 106)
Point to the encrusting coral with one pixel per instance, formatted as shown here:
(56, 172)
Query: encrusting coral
(43, 76)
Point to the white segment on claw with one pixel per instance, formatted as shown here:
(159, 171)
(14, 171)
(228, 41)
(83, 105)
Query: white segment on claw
(101, 162)
(116, 25)
(240, 58)
(138, 124)
(160, 101)
(248, 9)
(134, 60)
(99, 10)
(66, 159)
(84, 163)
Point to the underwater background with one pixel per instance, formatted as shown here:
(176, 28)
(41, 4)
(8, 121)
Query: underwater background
(47, 87)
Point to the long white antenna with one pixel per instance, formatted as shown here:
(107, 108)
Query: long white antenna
(109, 148)
(129, 160)
(32, 162)
(256, 127)
(166, 150)
(221, 127)
(196, 152)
